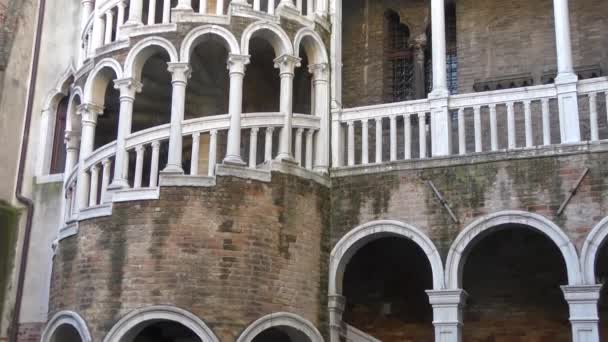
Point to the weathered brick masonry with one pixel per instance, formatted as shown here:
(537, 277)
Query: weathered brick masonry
(472, 190)
(229, 254)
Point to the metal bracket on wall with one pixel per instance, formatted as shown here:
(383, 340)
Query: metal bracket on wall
(443, 202)
(572, 192)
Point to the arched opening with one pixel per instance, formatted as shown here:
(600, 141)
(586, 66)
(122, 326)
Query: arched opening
(104, 94)
(161, 331)
(66, 333)
(58, 153)
(302, 86)
(152, 106)
(601, 271)
(261, 89)
(384, 284)
(513, 276)
(398, 67)
(281, 334)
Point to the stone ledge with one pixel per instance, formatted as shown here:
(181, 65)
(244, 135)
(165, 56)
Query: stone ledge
(184, 180)
(473, 158)
(94, 212)
(243, 172)
(298, 171)
(140, 194)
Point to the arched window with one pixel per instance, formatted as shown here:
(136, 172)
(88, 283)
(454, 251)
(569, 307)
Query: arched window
(59, 151)
(398, 84)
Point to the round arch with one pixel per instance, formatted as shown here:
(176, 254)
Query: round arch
(155, 313)
(313, 45)
(273, 33)
(196, 35)
(485, 224)
(360, 236)
(62, 318)
(281, 319)
(95, 86)
(60, 90)
(594, 241)
(143, 50)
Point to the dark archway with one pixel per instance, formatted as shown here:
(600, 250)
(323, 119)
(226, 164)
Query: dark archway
(513, 277)
(281, 334)
(66, 333)
(384, 286)
(164, 331)
(601, 271)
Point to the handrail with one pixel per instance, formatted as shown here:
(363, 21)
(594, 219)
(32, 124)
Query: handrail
(384, 110)
(87, 27)
(106, 151)
(502, 96)
(592, 85)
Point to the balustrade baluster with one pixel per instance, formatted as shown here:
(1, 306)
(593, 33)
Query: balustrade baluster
(422, 134)
(310, 13)
(109, 27)
(593, 117)
(271, 7)
(477, 127)
(351, 143)
(493, 128)
(154, 164)
(105, 178)
(120, 18)
(298, 152)
(309, 136)
(299, 6)
(256, 5)
(152, 12)
(393, 136)
(125, 166)
(407, 136)
(253, 148)
(212, 152)
(378, 140)
(202, 7)
(511, 143)
(94, 185)
(139, 165)
(219, 10)
(166, 11)
(364, 141)
(196, 143)
(546, 122)
(268, 144)
(462, 142)
(528, 123)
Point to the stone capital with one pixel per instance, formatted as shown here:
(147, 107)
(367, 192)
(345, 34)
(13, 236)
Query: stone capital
(180, 72)
(287, 63)
(89, 112)
(128, 87)
(320, 71)
(237, 64)
(447, 298)
(72, 139)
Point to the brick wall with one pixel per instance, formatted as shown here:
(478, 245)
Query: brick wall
(230, 254)
(472, 190)
(494, 39)
(30, 332)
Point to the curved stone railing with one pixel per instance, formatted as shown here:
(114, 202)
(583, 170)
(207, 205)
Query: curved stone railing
(202, 136)
(502, 120)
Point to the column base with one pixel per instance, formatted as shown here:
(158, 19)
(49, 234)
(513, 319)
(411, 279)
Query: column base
(234, 161)
(567, 98)
(321, 169)
(584, 318)
(285, 158)
(118, 184)
(172, 170)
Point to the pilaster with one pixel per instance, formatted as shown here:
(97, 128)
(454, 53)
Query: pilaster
(447, 313)
(584, 319)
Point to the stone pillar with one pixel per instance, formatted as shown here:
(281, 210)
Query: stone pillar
(72, 143)
(87, 7)
(136, 8)
(419, 67)
(89, 113)
(584, 318)
(99, 28)
(447, 314)
(180, 72)
(566, 80)
(286, 64)
(440, 117)
(128, 88)
(120, 18)
(109, 26)
(236, 66)
(336, 305)
(320, 81)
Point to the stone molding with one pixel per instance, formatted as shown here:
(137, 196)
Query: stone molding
(62, 318)
(155, 313)
(483, 225)
(594, 241)
(281, 319)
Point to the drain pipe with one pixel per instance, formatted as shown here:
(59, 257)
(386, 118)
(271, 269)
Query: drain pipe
(27, 202)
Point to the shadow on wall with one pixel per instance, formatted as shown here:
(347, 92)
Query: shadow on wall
(9, 221)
